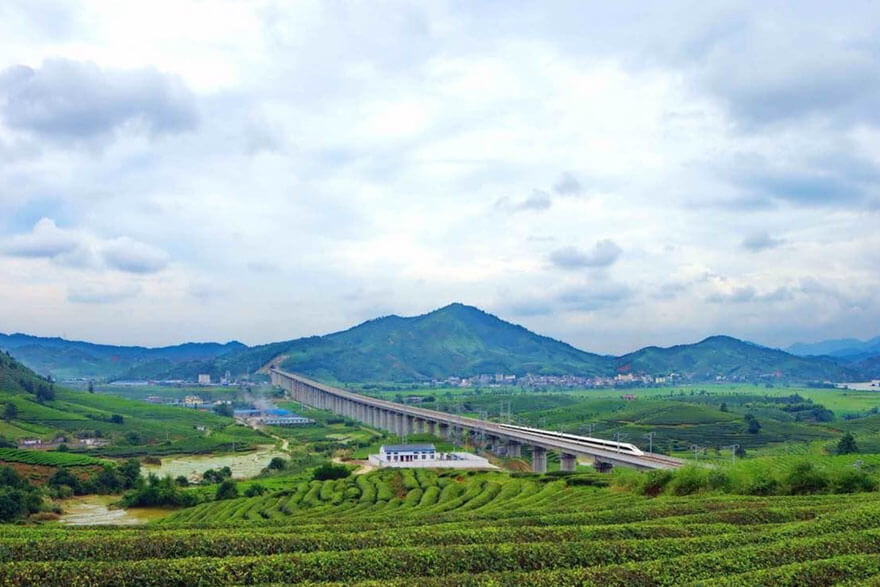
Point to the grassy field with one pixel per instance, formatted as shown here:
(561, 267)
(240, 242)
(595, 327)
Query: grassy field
(707, 416)
(405, 527)
(47, 458)
(133, 427)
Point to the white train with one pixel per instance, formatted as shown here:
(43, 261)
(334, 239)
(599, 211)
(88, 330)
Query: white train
(621, 447)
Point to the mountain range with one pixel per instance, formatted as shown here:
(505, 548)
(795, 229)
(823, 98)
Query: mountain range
(851, 349)
(456, 340)
(63, 358)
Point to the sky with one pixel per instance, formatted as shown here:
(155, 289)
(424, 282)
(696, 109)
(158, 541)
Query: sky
(613, 175)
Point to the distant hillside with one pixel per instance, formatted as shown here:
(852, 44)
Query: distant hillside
(455, 340)
(463, 341)
(68, 358)
(733, 359)
(851, 349)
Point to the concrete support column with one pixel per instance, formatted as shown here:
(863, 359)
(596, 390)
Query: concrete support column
(443, 430)
(539, 459)
(420, 426)
(432, 427)
(514, 450)
(408, 424)
(567, 462)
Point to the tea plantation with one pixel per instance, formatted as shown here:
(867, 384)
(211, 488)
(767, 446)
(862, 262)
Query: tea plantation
(425, 528)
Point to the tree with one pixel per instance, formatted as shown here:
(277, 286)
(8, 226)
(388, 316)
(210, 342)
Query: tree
(723, 406)
(329, 471)
(254, 490)
(45, 392)
(130, 471)
(116, 419)
(216, 476)
(91, 387)
(182, 481)
(753, 426)
(224, 409)
(277, 464)
(227, 490)
(847, 445)
(10, 411)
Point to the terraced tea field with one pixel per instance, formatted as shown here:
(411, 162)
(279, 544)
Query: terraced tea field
(405, 528)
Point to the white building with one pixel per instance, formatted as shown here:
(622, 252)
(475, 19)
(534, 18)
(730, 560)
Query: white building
(204, 379)
(426, 456)
(407, 453)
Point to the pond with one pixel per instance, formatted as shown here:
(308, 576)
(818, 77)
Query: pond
(243, 465)
(96, 510)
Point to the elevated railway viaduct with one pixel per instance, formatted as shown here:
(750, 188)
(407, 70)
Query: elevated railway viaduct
(402, 420)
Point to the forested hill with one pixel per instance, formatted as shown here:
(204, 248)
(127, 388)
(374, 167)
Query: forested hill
(63, 358)
(733, 359)
(454, 340)
(463, 341)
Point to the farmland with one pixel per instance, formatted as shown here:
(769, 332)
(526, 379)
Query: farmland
(486, 528)
(789, 513)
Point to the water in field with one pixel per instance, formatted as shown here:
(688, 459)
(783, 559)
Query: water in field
(96, 510)
(243, 465)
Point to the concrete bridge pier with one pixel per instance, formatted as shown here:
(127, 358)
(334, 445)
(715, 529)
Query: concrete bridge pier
(514, 450)
(432, 427)
(567, 462)
(539, 459)
(443, 430)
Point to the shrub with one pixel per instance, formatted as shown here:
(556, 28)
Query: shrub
(227, 490)
(159, 492)
(329, 471)
(853, 481)
(656, 481)
(847, 445)
(688, 480)
(277, 464)
(254, 490)
(804, 478)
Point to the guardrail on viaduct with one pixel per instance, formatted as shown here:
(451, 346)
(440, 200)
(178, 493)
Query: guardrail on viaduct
(402, 420)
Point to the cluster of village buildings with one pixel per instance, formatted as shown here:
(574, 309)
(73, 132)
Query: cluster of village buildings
(531, 380)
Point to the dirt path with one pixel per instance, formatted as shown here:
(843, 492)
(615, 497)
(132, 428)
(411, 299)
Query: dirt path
(285, 444)
(364, 467)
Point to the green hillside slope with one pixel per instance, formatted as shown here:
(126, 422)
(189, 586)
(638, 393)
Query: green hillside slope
(62, 358)
(456, 340)
(734, 360)
(423, 528)
(32, 407)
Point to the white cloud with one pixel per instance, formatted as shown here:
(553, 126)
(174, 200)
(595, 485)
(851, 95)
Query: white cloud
(131, 256)
(302, 152)
(45, 240)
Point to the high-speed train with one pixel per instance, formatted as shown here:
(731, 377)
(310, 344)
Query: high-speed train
(621, 447)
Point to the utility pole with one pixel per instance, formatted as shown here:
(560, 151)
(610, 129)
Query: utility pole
(733, 448)
(618, 435)
(650, 437)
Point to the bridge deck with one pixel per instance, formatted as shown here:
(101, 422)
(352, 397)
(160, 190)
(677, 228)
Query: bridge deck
(541, 439)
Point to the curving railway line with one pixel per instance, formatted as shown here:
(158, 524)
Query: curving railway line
(401, 419)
